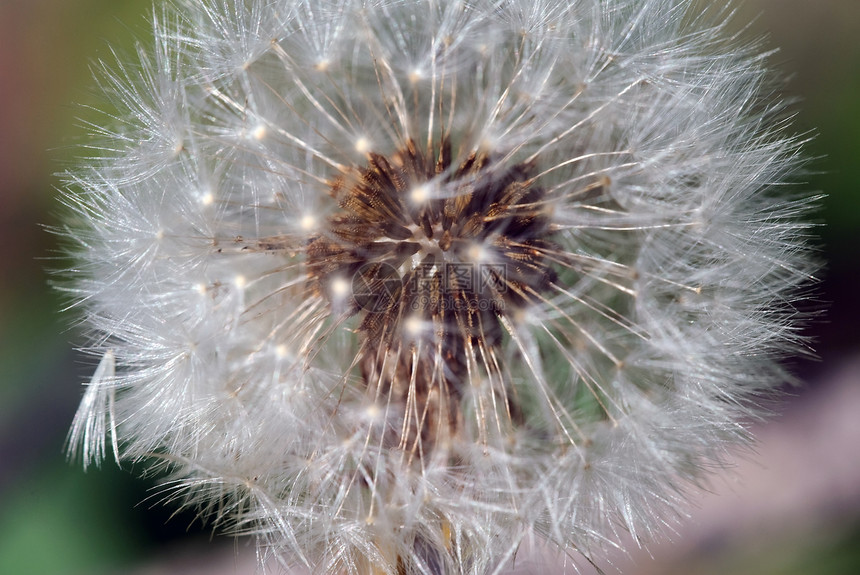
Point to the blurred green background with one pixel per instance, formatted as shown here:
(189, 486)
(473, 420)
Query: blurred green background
(56, 520)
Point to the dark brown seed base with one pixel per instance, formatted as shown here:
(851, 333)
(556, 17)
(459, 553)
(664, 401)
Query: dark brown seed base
(437, 272)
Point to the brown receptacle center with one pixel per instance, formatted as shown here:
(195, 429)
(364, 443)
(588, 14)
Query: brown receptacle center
(440, 254)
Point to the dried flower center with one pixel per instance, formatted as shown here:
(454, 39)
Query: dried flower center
(433, 256)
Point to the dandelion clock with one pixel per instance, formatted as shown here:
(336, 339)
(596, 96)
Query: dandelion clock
(397, 286)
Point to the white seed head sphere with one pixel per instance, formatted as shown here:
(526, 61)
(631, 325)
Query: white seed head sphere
(397, 285)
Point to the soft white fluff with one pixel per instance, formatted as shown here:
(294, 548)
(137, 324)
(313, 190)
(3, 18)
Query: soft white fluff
(635, 371)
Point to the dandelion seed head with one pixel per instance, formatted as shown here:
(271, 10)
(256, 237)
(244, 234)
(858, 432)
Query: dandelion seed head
(414, 326)
(340, 288)
(207, 199)
(417, 281)
(308, 222)
(259, 133)
(419, 194)
(362, 145)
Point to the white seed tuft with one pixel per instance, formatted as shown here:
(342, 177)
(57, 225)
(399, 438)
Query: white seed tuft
(475, 272)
